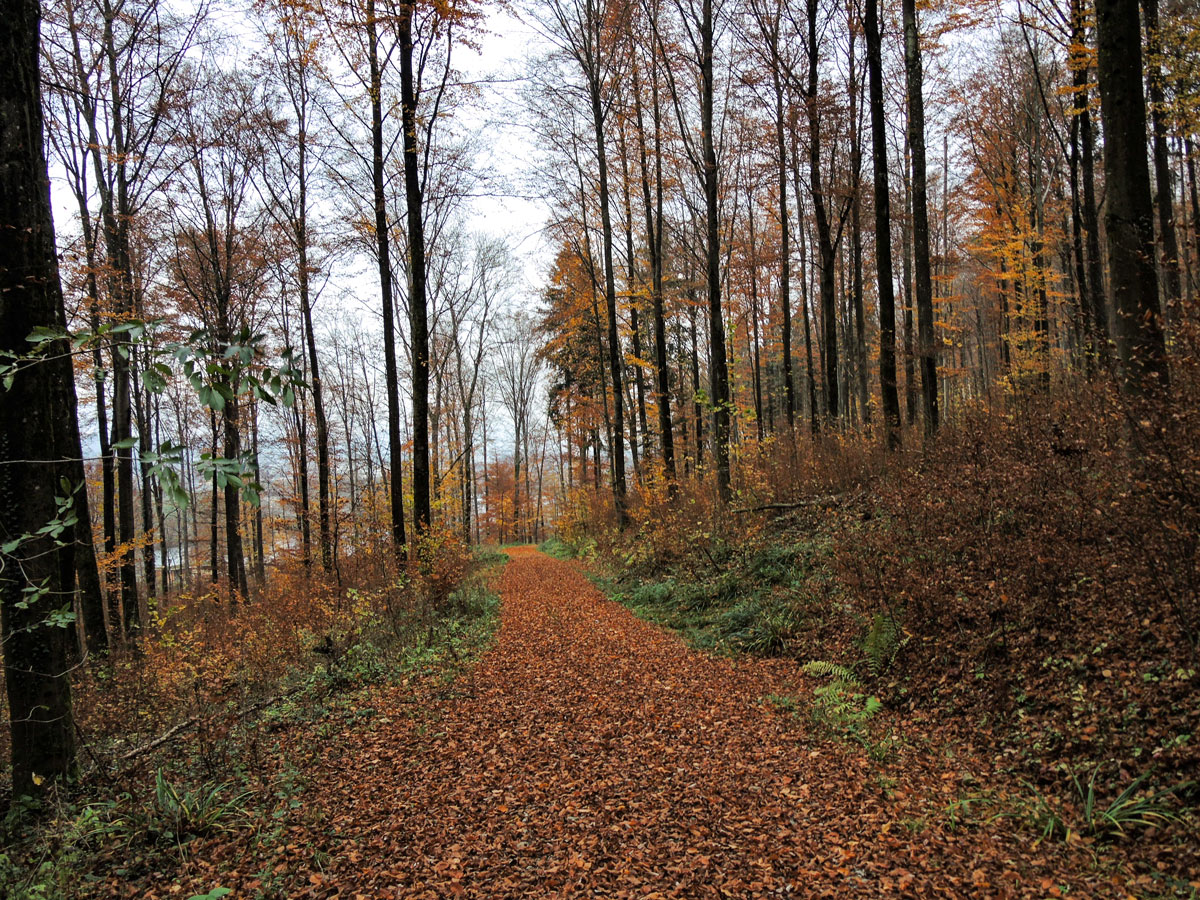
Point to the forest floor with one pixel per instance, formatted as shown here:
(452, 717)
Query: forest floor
(591, 754)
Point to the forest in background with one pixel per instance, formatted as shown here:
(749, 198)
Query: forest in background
(907, 295)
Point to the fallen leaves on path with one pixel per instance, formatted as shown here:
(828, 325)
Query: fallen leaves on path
(590, 754)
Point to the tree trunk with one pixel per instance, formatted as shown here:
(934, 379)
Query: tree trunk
(883, 230)
(856, 246)
(1163, 195)
(417, 306)
(926, 351)
(785, 251)
(828, 260)
(36, 441)
(314, 367)
(1097, 304)
(654, 242)
(1128, 215)
(616, 447)
(391, 386)
(719, 374)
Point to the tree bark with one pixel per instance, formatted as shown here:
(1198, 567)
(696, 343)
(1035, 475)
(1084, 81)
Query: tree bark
(883, 230)
(719, 374)
(418, 303)
(828, 259)
(1164, 198)
(392, 387)
(654, 245)
(926, 351)
(35, 437)
(1129, 214)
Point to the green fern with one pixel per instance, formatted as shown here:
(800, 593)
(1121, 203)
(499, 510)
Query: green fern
(841, 706)
(823, 669)
(882, 643)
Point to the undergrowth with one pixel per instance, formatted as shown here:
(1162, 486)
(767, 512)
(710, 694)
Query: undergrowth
(220, 763)
(1023, 589)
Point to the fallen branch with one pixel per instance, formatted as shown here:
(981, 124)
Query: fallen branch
(175, 730)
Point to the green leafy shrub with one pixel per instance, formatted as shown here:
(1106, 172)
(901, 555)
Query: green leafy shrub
(841, 705)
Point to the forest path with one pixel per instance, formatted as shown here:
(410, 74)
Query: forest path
(591, 754)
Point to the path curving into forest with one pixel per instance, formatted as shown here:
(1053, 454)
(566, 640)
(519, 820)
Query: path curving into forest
(590, 754)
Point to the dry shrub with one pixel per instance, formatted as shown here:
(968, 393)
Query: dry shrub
(204, 658)
(201, 653)
(441, 563)
(1038, 562)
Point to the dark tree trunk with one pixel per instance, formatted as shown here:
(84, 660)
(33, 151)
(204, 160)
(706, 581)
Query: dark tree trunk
(825, 245)
(1097, 306)
(752, 331)
(260, 562)
(810, 375)
(302, 479)
(719, 374)
(926, 351)
(654, 242)
(1129, 214)
(785, 250)
(146, 494)
(391, 377)
(639, 379)
(856, 246)
(417, 306)
(1164, 198)
(232, 450)
(697, 408)
(37, 442)
(94, 619)
(314, 367)
(883, 230)
(616, 447)
(910, 359)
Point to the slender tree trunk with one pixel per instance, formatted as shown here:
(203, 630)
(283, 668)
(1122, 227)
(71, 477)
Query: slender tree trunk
(391, 376)
(883, 230)
(1097, 304)
(260, 563)
(142, 410)
(314, 367)
(1168, 259)
(214, 556)
(654, 241)
(616, 447)
(639, 381)
(926, 351)
(828, 261)
(232, 450)
(719, 374)
(785, 250)
(752, 331)
(856, 246)
(697, 407)
(94, 616)
(810, 373)
(910, 370)
(418, 304)
(1078, 257)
